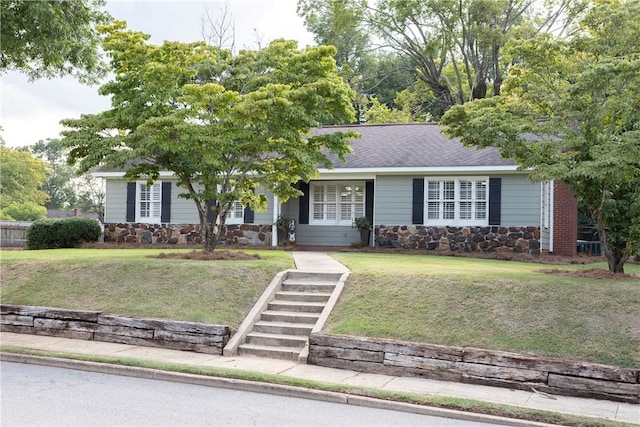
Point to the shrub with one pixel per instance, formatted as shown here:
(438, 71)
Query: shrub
(62, 233)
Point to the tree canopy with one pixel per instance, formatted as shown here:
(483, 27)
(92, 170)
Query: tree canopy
(21, 176)
(570, 110)
(223, 123)
(51, 38)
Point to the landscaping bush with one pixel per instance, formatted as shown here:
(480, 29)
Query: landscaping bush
(62, 233)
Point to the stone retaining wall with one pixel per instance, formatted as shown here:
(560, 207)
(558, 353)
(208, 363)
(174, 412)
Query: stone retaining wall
(96, 326)
(467, 239)
(185, 234)
(476, 366)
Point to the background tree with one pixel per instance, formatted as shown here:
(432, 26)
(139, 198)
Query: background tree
(51, 38)
(570, 110)
(223, 124)
(21, 175)
(465, 35)
(60, 184)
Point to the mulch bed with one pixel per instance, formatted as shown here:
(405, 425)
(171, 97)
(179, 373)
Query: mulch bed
(219, 255)
(591, 273)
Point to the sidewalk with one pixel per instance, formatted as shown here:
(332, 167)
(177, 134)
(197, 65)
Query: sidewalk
(320, 262)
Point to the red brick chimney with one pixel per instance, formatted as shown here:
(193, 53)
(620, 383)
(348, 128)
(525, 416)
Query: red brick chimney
(77, 212)
(565, 220)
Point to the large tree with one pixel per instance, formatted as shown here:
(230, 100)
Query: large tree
(52, 38)
(466, 35)
(21, 176)
(224, 124)
(570, 110)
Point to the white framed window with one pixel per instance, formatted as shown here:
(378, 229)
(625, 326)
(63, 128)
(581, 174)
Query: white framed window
(148, 202)
(236, 214)
(457, 201)
(336, 202)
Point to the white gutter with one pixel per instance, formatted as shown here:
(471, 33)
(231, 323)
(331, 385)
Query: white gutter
(274, 228)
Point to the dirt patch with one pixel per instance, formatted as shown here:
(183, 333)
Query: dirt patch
(219, 255)
(591, 273)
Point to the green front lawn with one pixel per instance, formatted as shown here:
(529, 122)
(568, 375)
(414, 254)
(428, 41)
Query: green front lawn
(128, 282)
(486, 303)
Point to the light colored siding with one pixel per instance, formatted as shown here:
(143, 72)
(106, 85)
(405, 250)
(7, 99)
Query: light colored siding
(326, 235)
(116, 200)
(520, 201)
(393, 200)
(264, 217)
(183, 211)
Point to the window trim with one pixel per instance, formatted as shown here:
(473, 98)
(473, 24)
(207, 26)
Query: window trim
(231, 218)
(456, 221)
(157, 187)
(337, 222)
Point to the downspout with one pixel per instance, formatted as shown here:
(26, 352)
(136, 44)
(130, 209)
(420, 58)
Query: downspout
(552, 213)
(274, 228)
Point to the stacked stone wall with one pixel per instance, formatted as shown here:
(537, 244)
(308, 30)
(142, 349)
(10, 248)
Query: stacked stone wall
(466, 239)
(475, 366)
(185, 234)
(97, 326)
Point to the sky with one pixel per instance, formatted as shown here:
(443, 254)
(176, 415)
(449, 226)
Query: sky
(31, 111)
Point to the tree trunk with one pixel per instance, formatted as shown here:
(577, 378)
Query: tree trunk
(210, 236)
(615, 253)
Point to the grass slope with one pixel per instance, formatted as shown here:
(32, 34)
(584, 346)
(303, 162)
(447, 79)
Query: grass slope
(492, 304)
(128, 282)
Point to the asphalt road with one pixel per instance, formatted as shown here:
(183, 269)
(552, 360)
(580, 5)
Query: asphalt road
(33, 395)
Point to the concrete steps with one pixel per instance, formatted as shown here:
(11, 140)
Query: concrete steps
(283, 327)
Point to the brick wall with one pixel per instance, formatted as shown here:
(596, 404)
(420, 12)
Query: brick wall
(565, 220)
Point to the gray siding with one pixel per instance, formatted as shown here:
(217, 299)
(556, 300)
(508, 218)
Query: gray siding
(326, 235)
(116, 200)
(183, 211)
(264, 217)
(393, 200)
(520, 201)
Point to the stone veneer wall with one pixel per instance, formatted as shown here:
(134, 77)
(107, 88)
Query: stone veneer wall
(185, 234)
(467, 239)
(96, 326)
(475, 366)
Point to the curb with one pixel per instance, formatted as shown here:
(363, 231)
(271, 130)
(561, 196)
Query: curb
(258, 387)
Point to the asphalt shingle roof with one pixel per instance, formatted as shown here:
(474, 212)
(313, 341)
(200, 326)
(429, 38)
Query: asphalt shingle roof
(410, 145)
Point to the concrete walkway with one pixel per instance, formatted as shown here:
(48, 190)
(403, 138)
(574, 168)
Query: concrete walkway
(315, 262)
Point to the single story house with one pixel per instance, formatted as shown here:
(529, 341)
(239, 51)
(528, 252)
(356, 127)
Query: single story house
(417, 187)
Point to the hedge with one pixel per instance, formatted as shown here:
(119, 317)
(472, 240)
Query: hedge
(62, 233)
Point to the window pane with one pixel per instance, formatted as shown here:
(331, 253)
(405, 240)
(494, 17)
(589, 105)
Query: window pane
(481, 210)
(318, 211)
(433, 210)
(345, 212)
(433, 192)
(449, 210)
(332, 193)
(331, 212)
(449, 190)
(465, 210)
(466, 190)
(481, 190)
(318, 194)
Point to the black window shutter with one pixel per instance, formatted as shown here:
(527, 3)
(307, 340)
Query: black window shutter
(495, 200)
(210, 205)
(131, 202)
(248, 213)
(165, 209)
(417, 213)
(303, 215)
(368, 196)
